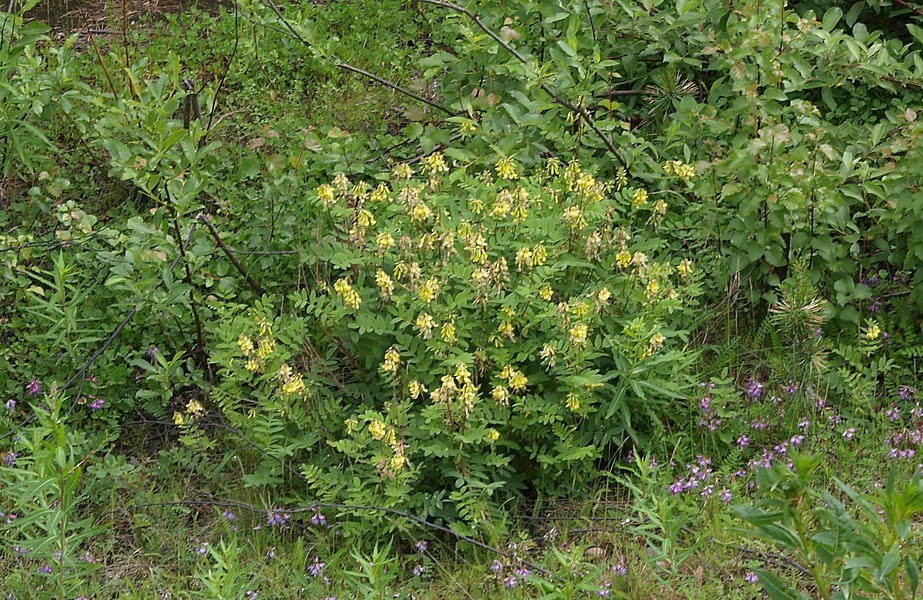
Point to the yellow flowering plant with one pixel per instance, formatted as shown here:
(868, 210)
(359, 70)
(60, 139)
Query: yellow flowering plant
(480, 322)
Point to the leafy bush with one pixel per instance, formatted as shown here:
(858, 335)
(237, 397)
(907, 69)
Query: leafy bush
(490, 334)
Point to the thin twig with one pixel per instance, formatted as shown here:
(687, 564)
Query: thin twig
(227, 252)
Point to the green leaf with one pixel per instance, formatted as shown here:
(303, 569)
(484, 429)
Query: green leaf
(775, 588)
(831, 18)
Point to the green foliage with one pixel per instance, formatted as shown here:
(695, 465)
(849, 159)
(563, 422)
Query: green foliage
(844, 553)
(492, 334)
(43, 497)
(450, 315)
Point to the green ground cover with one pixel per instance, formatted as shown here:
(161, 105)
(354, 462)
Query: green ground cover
(417, 299)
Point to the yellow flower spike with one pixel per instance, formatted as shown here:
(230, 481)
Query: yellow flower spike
(506, 169)
(518, 381)
(652, 289)
(500, 395)
(178, 418)
(434, 163)
(448, 332)
(425, 323)
(195, 408)
(382, 193)
(341, 183)
(623, 258)
(350, 296)
(392, 361)
(420, 212)
(492, 435)
(429, 290)
(402, 171)
(377, 430)
(295, 384)
(547, 354)
(351, 426)
(684, 268)
(416, 389)
(873, 332)
(398, 461)
(539, 254)
(265, 347)
(245, 344)
(579, 334)
(639, 198)
(573, 402)
(545, 293)
(325, 194)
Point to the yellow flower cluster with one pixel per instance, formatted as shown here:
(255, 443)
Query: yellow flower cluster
(579, 334)
(256, 355)
(506, 169)
(425, 323)
(385, 241)
(573, 218)
(526, 258)
(402, 171)
(392, 361)
(680, 169)
(515, 378)
(325, 194)
(292, 383)
(639, 198)
(416, 389)
(655, 343)
(873, 331)
(349, 295)
(492, 435)
(434, 163)
(623, 258)
(341, 183)
(547, 354)
(545, 293)
(429, 290)
(385, 284)
(684, 268)
(572, 402)
(382, 193)
(448, 332)
(194, 408)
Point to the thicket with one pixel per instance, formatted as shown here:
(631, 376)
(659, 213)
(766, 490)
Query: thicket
(498, 278)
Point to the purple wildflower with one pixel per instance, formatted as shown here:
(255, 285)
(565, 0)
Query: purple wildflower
(278, 518)
(743, 441)
(849, 433)
(421, 546)
(619, 569)
(151, 353)
(45, 569)
(906, 392)
(203, 549)
(34, 387)
(751, 577)
(726, 495)
(417, 570)
(318, 518)
(10, 405)
(497, 566)
(10, 458)
(510, 581)
(97, 404)
(229, 515)
(316, 569)
(755, 388)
